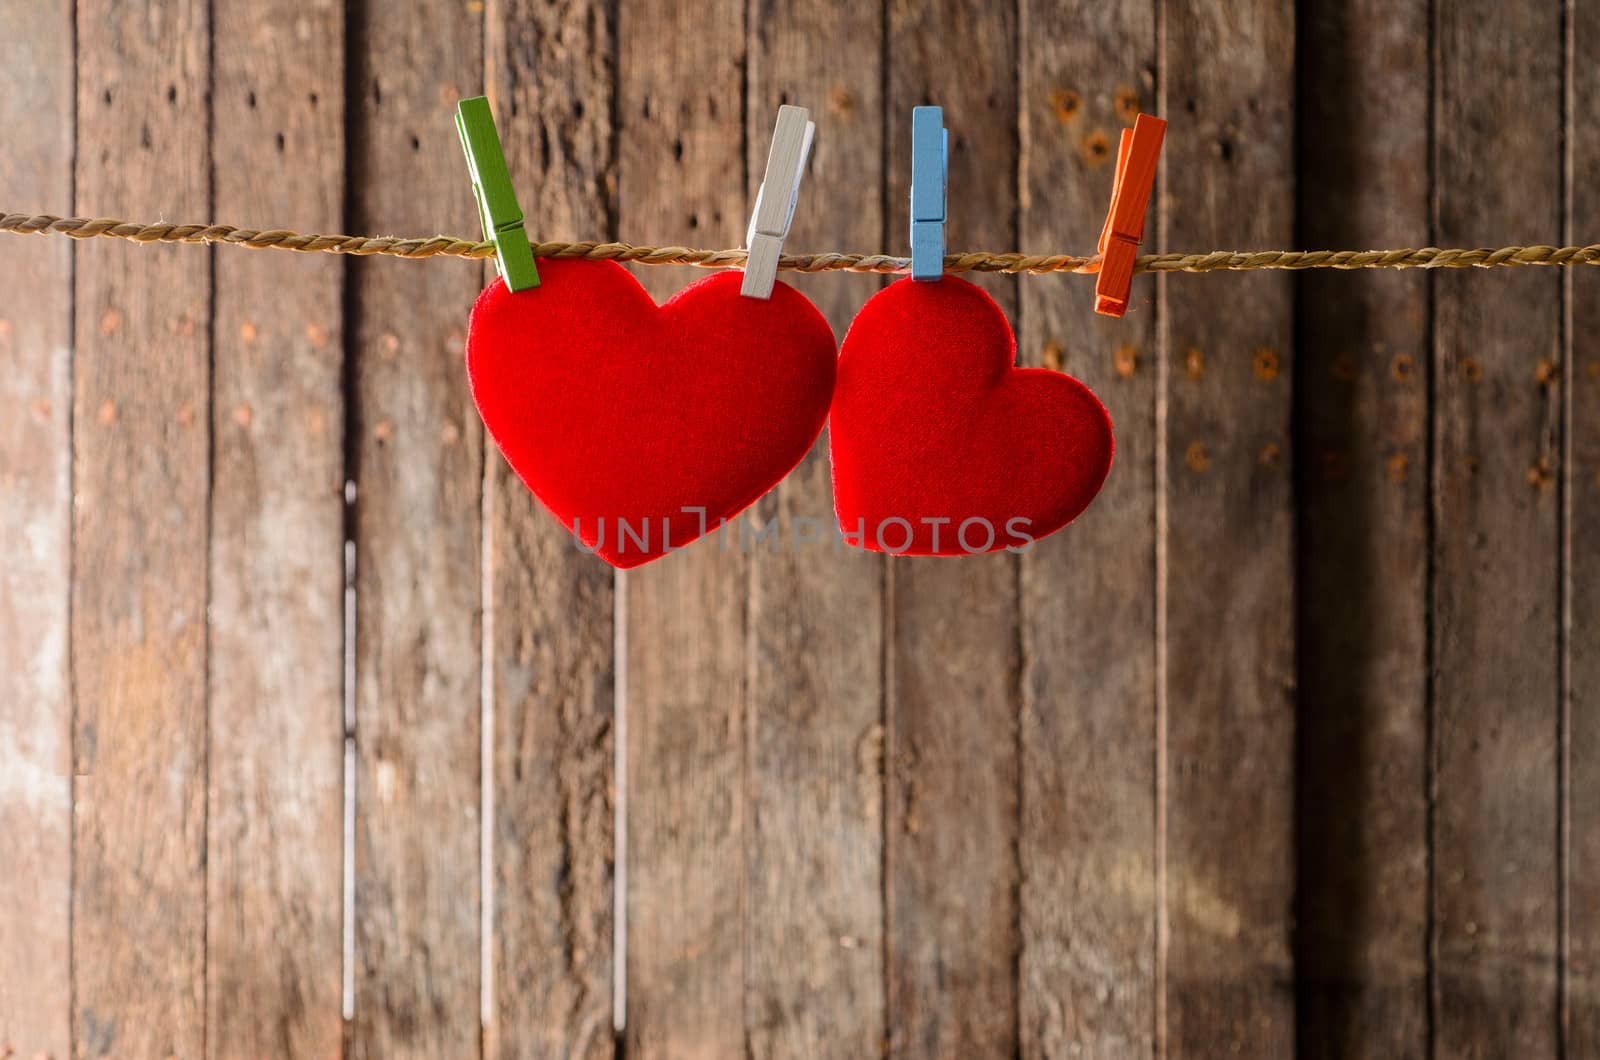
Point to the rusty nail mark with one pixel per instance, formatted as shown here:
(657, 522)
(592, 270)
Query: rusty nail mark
(1096, 148)
(247, 331)
(108, 412)
(242, 415)
(186, 327)
(110, 321)
(1195, 457)
(456, 342)
(1471, 370)
(1334, 465)
(1194, 363)
(1270, 454)
(1471, 464)
(316, 421)
(1126, 103)
(41, 409)
(1052, 356)
(1539, 475)
(1594, 369)
(450, 434)
(1401, 368)
(1066, 104)
(391, 343)
(1266, 364)
(841, 101)
(1398, 466)
(1344, 368)
(1544, 373)
(1126, 359)
(383, 430)
(316, 334)
(186, 414)
(5, 330)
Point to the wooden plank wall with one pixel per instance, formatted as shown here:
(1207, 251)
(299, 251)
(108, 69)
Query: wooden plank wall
(1361, 399)
(35, 531)
(1497, 544)
(549, 71)
(814, 750)
(276, 713)
(1289, 746)
(1088, 837)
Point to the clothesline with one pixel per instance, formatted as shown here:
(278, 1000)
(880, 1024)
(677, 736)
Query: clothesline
(973, 261)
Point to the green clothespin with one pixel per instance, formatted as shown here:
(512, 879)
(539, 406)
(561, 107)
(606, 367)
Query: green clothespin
(497, 200)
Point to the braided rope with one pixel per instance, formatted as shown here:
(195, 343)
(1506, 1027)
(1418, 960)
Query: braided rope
(975, 261)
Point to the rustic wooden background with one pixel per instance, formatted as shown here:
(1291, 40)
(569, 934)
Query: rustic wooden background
(1291, 744)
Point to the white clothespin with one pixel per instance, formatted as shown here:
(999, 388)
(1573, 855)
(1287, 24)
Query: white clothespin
(775, 200)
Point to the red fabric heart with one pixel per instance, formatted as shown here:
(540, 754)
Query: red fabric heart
(619, 415)
(940, 445)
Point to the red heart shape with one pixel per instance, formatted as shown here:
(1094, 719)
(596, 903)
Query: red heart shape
(940, 442)
(642, 427)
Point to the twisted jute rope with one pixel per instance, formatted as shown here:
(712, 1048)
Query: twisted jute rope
(973, 261)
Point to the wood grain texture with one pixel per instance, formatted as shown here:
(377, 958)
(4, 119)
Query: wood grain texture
(951, 737)
(274, 831)
(1229, 549)
(550, 71)
(418, 457)
(140, 452)
(35, 527)
(1582, 468)
(1496, 549)
(1088, 839)
(1362, 486)
(814, 978)
(681, 169)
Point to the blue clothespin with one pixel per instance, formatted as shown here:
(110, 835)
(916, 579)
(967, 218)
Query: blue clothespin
(930, 161)
(497, 200)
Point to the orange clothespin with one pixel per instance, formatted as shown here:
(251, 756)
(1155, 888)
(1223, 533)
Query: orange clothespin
(1130, 198)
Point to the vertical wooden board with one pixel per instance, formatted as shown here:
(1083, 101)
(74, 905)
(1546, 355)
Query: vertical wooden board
(1496, 547)
(951, 739)
(814, 935)
(1229, 671)
(274, 831)
(140, 451)
(681, 178)
(1583, 567)
(418, 458)
(1088, 840)
(1361, 479)
(550, 71)
(35, 524)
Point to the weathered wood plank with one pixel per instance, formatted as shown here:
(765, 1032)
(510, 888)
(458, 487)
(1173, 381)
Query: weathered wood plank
(1361, 479)
(951, 737)
(140, 452)
(35, 526)
(549, 71)
(681, 177)
(1498, 392)
(418, 455)
(1229, 671)
(1088, 839)
(1583, 570)
(274, 825)
(814, 982)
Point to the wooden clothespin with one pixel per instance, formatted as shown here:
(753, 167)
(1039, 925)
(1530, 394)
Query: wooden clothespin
(497, 200)
(930, 161)
(1130, 199)
(775, 200)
